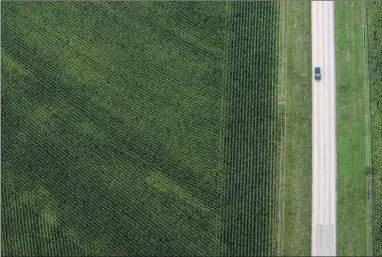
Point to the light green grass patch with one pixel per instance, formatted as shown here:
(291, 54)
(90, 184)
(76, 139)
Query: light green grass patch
(351, 170)
(296, 232)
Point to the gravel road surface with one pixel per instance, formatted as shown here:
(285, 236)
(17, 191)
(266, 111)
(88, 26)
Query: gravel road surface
(324, 131)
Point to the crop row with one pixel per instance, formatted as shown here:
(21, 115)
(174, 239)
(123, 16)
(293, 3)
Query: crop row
(374, 13)
(251, 136)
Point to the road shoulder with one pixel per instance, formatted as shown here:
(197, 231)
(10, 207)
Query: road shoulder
(297, 174)
(351, 172)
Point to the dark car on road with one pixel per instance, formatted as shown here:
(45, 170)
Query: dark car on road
(317, 73)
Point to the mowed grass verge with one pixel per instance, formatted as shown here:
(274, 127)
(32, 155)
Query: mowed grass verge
(351, 171)
(297, 172)
(139, 129)
(374, 14)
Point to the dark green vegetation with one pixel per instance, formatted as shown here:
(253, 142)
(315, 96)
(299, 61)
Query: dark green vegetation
(351, 132)
(138, 128)
(295, 235)
(251, 130)
(111, 125)
(374, 14)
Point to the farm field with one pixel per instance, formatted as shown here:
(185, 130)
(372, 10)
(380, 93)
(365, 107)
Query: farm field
(251, 130)
(351, 150)
(374, 16)
(296, 185)
(139, 128)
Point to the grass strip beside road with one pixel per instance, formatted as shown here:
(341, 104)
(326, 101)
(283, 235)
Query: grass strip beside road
(351, 170)
(296, 189)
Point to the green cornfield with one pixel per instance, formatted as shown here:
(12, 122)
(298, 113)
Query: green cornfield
(139, 128)
(374, 14)
(251, 130)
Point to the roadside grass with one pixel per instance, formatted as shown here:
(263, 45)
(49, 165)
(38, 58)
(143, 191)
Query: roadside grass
(296, 189)
(351, 170)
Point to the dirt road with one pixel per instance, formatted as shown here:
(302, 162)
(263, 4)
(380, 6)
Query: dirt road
(324, 131)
